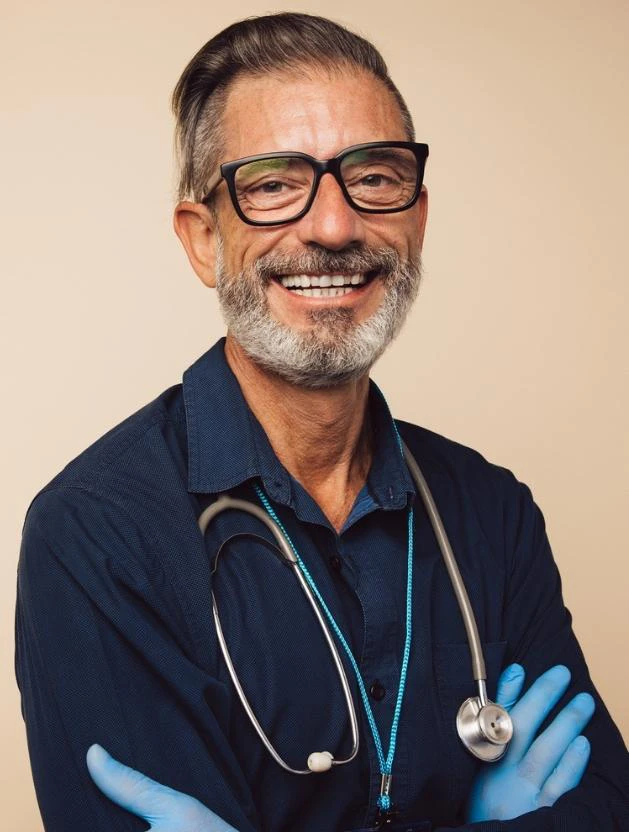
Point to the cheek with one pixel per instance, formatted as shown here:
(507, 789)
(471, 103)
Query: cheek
(244, 244)
(396, 231)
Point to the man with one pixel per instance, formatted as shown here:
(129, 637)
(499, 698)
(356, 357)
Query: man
(315, 266)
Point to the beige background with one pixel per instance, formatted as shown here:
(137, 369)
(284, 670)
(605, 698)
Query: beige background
(517, 345)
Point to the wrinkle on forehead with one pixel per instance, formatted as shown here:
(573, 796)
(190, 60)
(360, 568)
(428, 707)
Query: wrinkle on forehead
(313, 110)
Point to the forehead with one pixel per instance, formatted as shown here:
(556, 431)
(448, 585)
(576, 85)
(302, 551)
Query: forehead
(319, 114)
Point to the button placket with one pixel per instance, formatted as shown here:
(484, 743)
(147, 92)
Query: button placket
(377, 690)
(336, 564)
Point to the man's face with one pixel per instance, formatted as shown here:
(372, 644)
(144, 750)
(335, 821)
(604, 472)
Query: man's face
(315, 341)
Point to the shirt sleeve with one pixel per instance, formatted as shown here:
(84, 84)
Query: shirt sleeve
(539, 633)
(102, 656)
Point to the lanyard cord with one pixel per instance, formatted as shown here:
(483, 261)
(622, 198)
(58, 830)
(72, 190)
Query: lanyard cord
(386, 766)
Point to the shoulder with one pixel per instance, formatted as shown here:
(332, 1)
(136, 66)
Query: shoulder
(453, 459)
(102, 535)
(486, 495)
(116, 473)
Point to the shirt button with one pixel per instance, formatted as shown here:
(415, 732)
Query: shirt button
(377, 691)
(335, 563)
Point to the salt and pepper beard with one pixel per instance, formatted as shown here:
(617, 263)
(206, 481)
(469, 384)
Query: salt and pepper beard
(334, 350)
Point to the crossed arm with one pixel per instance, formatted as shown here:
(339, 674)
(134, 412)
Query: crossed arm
(136, 642)
(535, 772)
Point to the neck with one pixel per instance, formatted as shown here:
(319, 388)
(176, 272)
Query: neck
(320, 436)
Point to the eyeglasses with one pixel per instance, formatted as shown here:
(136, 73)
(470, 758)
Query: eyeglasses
(275, 188)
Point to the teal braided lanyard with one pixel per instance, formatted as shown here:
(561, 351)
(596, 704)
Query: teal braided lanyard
(386, 765)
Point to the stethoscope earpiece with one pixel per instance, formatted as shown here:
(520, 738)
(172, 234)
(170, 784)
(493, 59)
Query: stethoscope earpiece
(320, 761)
(485, 730)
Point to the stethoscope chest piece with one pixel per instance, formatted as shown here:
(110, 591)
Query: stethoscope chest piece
(485, 730)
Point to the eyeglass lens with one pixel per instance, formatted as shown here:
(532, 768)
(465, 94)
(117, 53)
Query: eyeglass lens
(278, 188)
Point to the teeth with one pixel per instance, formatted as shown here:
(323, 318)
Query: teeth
(324, 281)
(332, 292)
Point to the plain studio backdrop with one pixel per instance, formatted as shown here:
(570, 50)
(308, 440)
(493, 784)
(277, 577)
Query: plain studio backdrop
(517, 343)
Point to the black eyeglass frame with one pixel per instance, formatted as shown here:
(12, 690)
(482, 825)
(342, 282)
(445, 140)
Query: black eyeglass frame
(319, 166)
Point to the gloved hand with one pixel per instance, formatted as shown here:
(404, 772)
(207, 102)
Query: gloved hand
(535, 771)
(165, 809)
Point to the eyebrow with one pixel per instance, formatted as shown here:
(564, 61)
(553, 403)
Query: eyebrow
(407, 166)
(277, 163)
(379, 154)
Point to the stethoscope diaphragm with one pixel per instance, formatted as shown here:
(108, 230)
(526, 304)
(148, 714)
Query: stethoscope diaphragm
(484, 729)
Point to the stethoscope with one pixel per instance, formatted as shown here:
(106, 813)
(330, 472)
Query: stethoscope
(484, 727)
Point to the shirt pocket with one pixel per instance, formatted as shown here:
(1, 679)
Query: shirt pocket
(455, 683)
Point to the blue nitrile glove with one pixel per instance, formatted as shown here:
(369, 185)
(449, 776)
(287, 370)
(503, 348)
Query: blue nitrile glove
(535, 771)
(165, 809)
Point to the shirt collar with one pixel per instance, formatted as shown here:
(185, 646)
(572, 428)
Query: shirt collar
(227, 445)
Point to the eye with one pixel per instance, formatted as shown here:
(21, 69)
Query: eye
(270, 187)
(372, 177)
(375, 180)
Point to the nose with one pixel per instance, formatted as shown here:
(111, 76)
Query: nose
(331, 222)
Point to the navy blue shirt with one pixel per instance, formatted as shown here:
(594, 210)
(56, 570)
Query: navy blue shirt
(116, 643)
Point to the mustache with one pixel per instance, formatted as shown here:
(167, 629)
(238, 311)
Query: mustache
(354, 260)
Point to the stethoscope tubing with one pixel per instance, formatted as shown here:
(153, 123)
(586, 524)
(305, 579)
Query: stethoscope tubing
(465, 606)
(484, 728)
(227, 503)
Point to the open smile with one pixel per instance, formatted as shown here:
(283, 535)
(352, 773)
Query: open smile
(325, 285)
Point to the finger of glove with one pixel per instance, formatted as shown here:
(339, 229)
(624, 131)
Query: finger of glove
(568, 773)
(133, 790)
(546, 752)
(510, 685)
(533, 708)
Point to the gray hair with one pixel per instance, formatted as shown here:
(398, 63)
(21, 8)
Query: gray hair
(334, 349)
(286, 41)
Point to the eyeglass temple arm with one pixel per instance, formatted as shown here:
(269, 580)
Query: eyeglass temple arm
(212, 185)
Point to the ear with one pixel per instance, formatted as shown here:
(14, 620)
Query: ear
(423, 214)
(196, 228)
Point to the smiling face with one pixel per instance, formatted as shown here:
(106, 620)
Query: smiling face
(279, 286)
